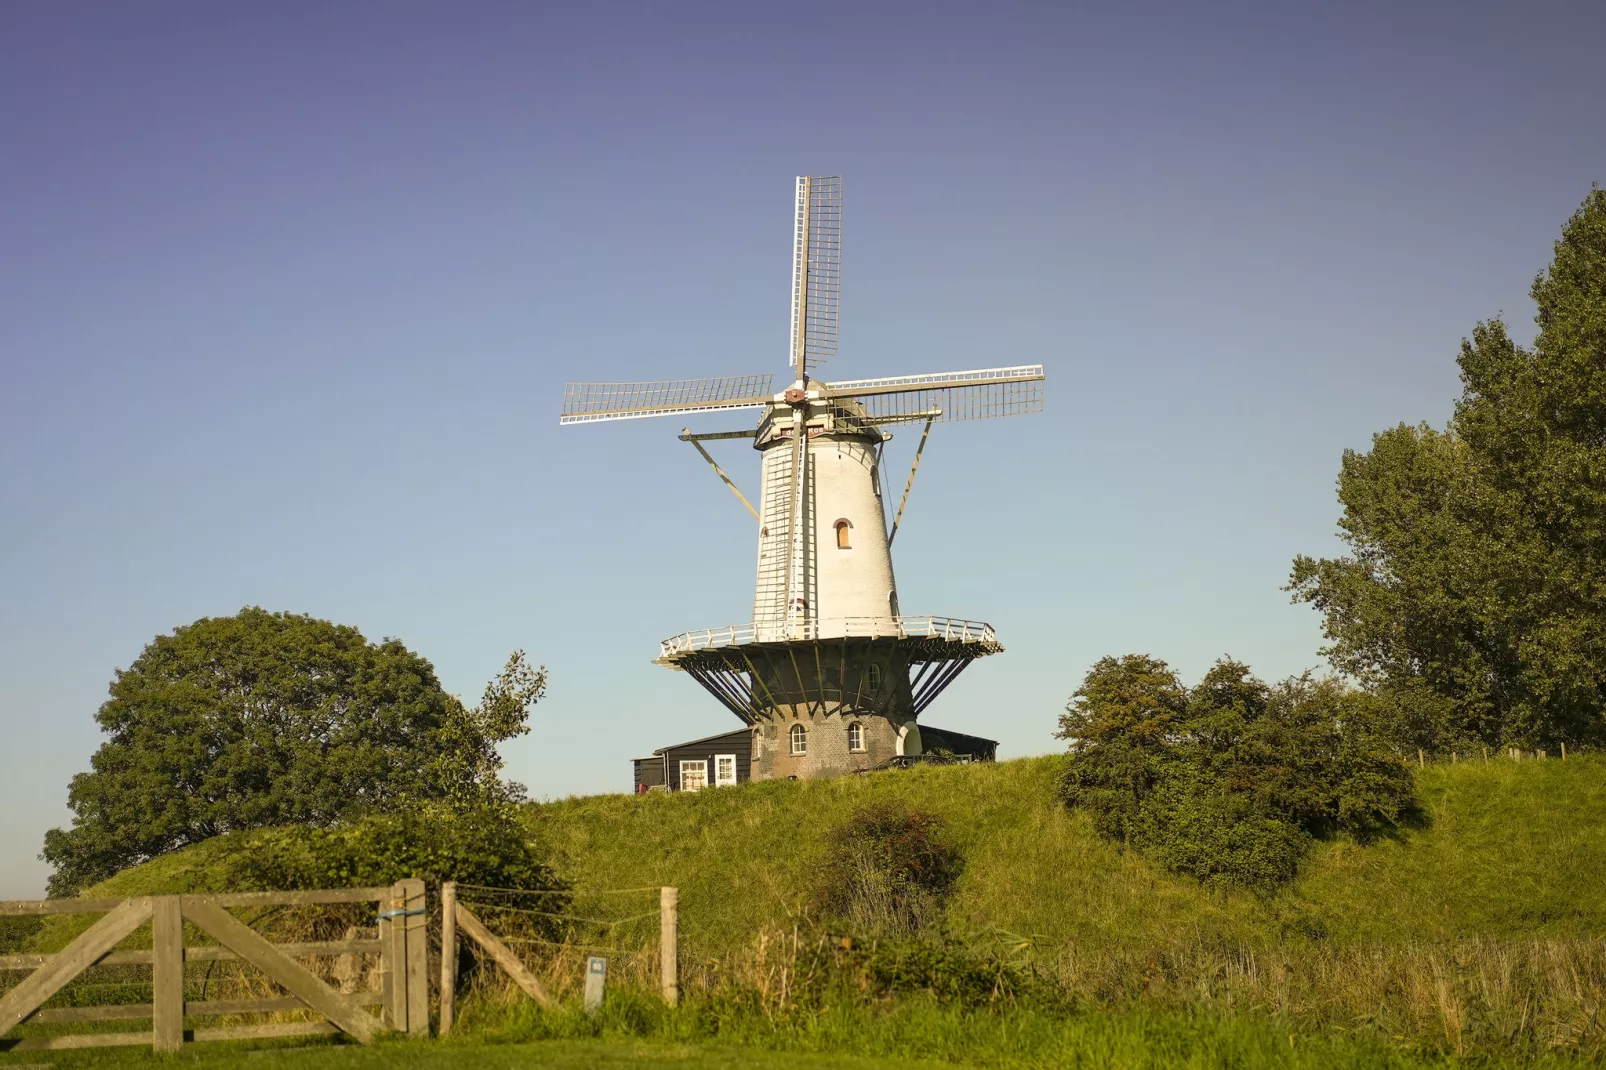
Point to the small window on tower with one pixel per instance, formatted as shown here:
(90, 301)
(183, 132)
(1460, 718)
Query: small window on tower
(843, 527)
(800, 739)
(855, 736)
(872, 678)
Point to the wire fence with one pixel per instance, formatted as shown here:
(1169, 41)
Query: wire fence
(555, 932)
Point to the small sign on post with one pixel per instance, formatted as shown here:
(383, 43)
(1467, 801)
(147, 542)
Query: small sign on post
(596, 981)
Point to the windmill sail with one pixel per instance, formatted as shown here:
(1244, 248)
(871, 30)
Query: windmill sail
(591, 402)
(816, 272)
(968, 395)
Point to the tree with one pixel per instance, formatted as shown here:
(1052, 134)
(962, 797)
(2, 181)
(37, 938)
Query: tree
(266, 719)
(1473, 599)
(1229, 781)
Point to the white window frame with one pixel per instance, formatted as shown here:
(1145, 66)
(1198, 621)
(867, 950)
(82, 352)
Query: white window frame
(700, 766)
(797, 740)
(719, 779)
(856, 745)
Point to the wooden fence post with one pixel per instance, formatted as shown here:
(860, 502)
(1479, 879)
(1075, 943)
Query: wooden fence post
(1564, 752)
(668, 943)
(167, 973)
(448, 955)
(1421, 762)
(416, 929)
(393, 956)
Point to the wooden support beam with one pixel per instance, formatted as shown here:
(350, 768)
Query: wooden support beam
(73, 960)
(669, 943)
(167, 974)
(416, 937)
(448, 956)
(505, 958)
(283, 970)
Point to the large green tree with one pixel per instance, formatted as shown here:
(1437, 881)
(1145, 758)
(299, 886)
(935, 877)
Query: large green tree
(1474, 595)
(276, 719)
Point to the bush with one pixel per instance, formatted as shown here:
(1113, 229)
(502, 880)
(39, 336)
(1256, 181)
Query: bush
(888, 869)
(480, 844)
(1229, 782)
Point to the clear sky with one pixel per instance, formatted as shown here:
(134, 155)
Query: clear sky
(289, 293)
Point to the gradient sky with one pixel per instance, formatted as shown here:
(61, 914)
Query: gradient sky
(289, 293)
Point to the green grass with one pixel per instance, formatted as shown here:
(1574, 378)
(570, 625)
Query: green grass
(1511, 850)
(905, 1037)
(1482, 930)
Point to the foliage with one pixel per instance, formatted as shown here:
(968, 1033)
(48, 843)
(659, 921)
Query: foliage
(16, 932)
(1474, 597)
(888, 868)
(1228, 782)
(264, 719)
(479, 843)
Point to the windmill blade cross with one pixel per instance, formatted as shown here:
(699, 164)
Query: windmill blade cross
(594, 402)
(969, 395)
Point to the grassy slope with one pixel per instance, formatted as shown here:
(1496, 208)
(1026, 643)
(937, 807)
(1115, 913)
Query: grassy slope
(1510, 849)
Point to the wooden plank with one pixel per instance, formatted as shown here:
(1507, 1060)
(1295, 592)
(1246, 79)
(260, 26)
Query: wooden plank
(205, 954)
(265, 1031)
(193, 1009)
(167, 974)
(416, 935)
(283, 970)
(22, 907)
(393, 962)
(76, 957)
(292, 899)
(77, 1040)
(504, 957)
(669, 943)
(105, 1013)
(448, 956)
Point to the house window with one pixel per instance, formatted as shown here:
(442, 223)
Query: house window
(724, 770)
(872, 678)
(855, 736)
(843, 527)
(693, 775)
(800, 739)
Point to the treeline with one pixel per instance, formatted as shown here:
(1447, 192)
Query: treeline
(1470, 612)
(1473, 597)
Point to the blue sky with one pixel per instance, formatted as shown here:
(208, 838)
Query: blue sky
(289, 293)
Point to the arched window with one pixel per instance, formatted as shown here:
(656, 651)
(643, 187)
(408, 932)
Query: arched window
(872, 678)
(799, 737)
(856, 736)
(843, 527)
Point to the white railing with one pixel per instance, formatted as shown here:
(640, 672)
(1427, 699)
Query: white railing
(962, 631)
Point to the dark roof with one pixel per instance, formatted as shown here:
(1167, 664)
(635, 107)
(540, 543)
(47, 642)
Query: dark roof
(706, 739)
(957, 737)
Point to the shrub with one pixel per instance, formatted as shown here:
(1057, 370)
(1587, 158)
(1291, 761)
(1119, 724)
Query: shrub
(888, 869)
(478, 844)
(1230, 781)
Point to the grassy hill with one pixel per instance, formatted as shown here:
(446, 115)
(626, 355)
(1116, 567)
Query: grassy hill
(1509, 850)
(1479, 931)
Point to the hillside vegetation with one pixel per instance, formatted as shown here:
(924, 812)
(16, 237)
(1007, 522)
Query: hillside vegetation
(1508, 850)
(1477, 931)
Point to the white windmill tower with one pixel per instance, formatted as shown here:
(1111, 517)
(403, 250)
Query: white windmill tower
(829, 673)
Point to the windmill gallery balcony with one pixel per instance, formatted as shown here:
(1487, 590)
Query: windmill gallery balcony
(892, 666)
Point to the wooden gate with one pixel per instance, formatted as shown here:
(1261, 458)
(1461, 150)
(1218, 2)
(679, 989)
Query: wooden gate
(401, 944)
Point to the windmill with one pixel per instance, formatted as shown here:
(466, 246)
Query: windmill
(829, 674)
